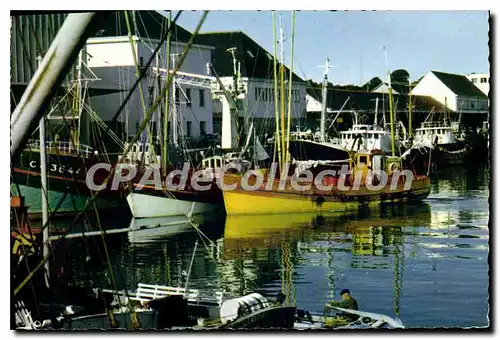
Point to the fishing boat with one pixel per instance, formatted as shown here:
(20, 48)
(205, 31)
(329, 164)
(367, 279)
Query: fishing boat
(150, 202)
(328, 320)
(67, 155)
(436, 145)
(275, 197)
(448, 150)
(173, 308)
(167, 201)
(68, 191)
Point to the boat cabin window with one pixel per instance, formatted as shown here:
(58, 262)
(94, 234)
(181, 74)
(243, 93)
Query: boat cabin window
(218, 163)
(363, 159)
(375, 135)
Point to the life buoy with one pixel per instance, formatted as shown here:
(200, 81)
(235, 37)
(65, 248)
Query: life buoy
(329, 181)
(393, 166)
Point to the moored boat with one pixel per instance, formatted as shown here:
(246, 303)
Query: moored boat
(277, 196)
(328, 320)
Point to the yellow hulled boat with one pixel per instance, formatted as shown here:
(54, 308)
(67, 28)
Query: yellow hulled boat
(271, 197)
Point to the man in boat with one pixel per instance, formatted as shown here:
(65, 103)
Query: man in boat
(348, 302)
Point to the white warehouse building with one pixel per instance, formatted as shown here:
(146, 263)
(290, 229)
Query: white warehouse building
(481, 80)
(256, 68)
(454, 91)
(111, 58)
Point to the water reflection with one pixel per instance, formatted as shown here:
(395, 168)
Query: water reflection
(422, 261)
(157, 229)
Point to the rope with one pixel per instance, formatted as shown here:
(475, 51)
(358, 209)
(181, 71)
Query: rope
(141, 128)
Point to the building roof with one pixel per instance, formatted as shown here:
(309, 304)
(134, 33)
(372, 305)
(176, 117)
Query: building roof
(399, 88)
(255, 61)
(365, 101)
(459, 84)
(149, 24)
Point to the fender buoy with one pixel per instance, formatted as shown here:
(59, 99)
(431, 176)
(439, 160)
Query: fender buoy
(393, 166)
(329, 181)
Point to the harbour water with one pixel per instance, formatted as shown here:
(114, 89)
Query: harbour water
(426, 263)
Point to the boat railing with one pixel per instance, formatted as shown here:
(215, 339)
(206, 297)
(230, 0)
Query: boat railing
(147, 292)
(435, 124)
(62, 146)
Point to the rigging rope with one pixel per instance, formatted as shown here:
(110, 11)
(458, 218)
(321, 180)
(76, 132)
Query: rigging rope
(141, 128)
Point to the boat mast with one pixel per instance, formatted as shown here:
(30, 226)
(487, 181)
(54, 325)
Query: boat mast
(410, 133)
(133, 45)
(45, 205)
(324, 96)
(390, 104)
(282, 90)
(164, 151)
(375, 123)
(174, 107)
(234, 115)
(277, 138)
(287, 153)
(79, 99)
(61, 55)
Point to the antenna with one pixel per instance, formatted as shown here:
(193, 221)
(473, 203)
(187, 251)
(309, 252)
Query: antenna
(282, 41)
(323, 102)
(232, 50)
(388, 68)
(326, 66)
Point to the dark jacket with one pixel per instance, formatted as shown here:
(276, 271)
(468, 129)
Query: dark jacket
(350, 303)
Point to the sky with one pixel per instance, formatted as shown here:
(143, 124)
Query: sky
(354, 41)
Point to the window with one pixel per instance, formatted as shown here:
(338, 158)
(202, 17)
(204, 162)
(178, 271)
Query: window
(141, 61)
(484, 80)
(176, 96)
(188, 96)
(188, 128)
(375, 135)
(474, 80)
(362, 159)
(203, 128)
(471, 105)
(202, 98)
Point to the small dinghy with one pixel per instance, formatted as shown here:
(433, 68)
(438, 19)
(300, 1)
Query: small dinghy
(333, 319)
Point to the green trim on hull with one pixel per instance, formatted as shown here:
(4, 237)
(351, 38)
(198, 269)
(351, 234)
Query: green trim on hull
(71, 204)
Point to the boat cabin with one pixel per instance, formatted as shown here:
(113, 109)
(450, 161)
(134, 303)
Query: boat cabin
(434, 131)
(370, 160)
(376, 161)
(365, 138)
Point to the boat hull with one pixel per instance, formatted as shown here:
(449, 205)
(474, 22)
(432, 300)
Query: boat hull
(64, 203)
(272, 317)
(66, 181)
(160, 204)
(241, 202)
